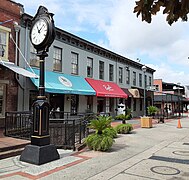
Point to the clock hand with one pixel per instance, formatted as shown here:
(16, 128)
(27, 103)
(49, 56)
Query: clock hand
(41, 28)
(38, 29)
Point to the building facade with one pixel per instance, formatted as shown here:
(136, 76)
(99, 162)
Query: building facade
(70, 57)
(10, 15)
(169, 98)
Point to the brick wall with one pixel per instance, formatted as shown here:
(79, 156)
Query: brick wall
(10, 10)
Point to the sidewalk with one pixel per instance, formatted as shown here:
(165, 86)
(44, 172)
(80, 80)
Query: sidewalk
(161, 152)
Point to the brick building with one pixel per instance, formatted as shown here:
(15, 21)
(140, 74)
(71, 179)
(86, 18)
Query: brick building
(10, 13)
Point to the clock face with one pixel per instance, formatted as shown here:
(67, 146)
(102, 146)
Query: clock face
(39, 32)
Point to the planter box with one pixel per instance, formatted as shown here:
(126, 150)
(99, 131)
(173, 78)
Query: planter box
(146, 122)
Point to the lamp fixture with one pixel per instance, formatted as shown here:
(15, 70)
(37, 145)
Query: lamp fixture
(144, 68)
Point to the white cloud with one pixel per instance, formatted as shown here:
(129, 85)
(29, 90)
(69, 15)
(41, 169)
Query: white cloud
(170, 75)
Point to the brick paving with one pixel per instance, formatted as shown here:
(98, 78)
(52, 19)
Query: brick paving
(6, 142)
(78, 158)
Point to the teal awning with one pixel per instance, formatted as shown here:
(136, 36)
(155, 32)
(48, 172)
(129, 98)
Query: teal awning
(64, 83)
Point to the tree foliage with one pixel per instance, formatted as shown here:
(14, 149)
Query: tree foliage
(175, 9)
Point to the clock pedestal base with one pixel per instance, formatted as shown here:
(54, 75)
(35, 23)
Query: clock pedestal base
(39, 154)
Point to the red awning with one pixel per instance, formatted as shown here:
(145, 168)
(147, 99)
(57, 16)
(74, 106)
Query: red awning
(106, 89)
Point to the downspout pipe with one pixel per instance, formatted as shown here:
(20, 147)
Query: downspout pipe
(17, 30)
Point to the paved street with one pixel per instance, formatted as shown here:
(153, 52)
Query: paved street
(161, 152)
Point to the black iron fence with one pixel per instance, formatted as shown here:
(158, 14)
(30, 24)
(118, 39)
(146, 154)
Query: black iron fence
(66, 130)
(18, 124)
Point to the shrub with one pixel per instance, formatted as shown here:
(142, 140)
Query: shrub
(152, 110)
(123, 117)
(101, 123)
(110, 132)
(124, 128)
(99, 142)
(102, 140)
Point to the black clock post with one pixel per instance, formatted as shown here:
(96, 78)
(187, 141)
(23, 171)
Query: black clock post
(42, 34)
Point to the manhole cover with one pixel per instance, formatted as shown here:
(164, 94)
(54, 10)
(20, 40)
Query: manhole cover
(165, 170)
(181, 153)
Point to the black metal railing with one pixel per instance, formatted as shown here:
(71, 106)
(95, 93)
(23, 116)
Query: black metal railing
(64, 132)
(18, 124)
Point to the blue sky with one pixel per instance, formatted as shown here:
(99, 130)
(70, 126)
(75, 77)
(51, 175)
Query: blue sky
(113, 25)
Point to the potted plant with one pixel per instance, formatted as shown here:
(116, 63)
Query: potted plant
(146, 122)
(152, 110)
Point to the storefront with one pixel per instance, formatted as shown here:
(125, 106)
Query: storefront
(9, 84)
(107, 94)
(66, 92)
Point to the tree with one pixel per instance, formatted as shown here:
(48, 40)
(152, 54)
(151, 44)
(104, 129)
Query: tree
(176, 9)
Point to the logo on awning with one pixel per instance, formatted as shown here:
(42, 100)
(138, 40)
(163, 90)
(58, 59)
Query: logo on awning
(66, 82)
(108, 87)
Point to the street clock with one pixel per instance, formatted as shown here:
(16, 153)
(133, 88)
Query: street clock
(42, 32)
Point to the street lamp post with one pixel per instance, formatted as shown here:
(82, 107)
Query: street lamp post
(144, 71)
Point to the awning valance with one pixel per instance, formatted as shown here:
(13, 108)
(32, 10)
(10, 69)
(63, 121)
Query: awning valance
(64, 83)
(18, 69)
(106, 89)
(127, 92)
(135, 93)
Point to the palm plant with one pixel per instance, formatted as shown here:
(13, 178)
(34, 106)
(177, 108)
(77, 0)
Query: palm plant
(152, 110)
(102, 140)
(100, 124)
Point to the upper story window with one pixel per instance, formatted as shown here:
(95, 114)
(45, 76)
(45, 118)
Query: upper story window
(74, 62)
(111, 72)
(157, 87)
(120, 75)
(89, 67)
(145, 81)
(57, 59)
(127, 76)
(4, 39)
(134, 78)
(140, 80)
(101, 70)
(150, 81)
(34, 59)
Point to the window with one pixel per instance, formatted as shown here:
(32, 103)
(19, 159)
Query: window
(120, 75)
(127, 76)
(101, 70)
(134, 78)
(145, 81)
(57, 59)
(111, 72)
(74, 62)
(157, 87)
(150, 81)
(74, 104)
(32, 98)
(140, 80)
(4, 39)
(89, 103)
(111, 104)
(89, 67)
(34, 59)
(2, 99)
